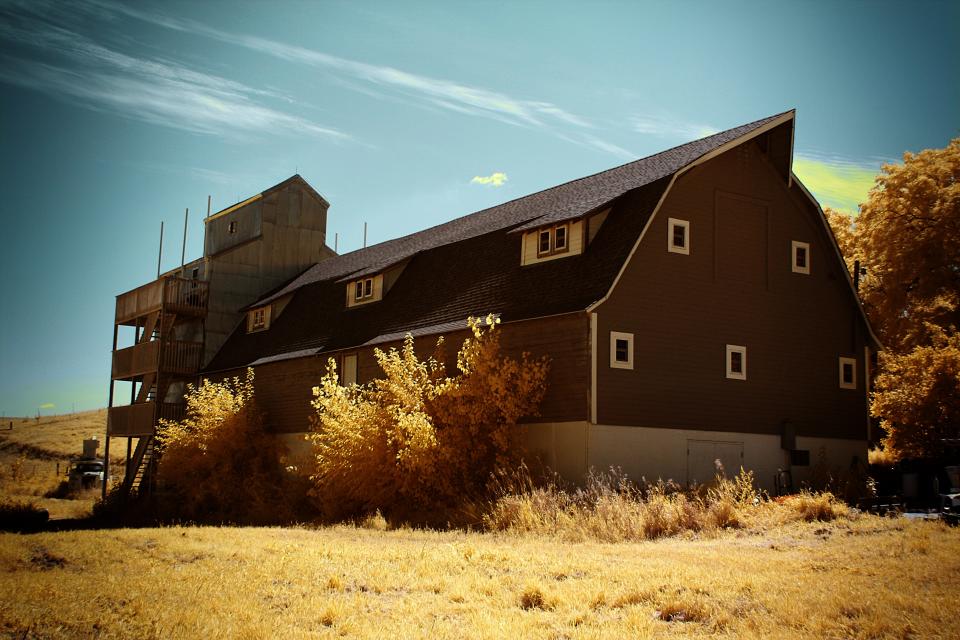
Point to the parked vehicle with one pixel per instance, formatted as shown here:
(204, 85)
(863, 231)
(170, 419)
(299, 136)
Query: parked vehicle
(86, 473)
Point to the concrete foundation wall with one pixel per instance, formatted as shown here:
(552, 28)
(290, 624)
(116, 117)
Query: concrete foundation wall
(682, 455)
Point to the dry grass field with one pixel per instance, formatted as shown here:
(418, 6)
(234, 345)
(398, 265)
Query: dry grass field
(862, 578)
(35, 456)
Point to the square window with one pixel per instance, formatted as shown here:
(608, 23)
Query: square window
(736, 362)
(678, 236)
(800, 252)
(560, 238)
(848, 373)
(621, 350)
(544, 242)
(195, 273)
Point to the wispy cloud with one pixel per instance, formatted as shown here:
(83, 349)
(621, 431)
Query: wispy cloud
(47, 405)
(667, 126)
(159, 92)
(389, 82)
(495, 179)
(838, 182)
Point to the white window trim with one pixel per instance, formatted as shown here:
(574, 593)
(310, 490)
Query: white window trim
(736, 348)
(794, 245)
(540, 250)
(566, 238)
(362, 283)
(614, 363)
(671, 224)
(551, 232)
(343, 369)
(853, 363)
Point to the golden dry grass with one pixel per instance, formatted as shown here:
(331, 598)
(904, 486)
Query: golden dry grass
(861, 578)
(35, 456)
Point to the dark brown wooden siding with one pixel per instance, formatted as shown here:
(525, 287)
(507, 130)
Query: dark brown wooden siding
(284, 389)
(735, 287)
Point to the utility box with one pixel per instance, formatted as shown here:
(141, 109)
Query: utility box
(90, 446)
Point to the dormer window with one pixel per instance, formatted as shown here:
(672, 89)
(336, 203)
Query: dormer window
(365, 290)
(561, 240)
(552, 240)
(258, 319)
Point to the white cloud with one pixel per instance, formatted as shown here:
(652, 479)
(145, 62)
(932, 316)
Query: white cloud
(495, 179)
(425, 91)
(163, 93)
(666, 126)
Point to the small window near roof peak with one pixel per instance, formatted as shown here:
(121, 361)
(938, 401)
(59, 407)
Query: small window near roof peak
(678, 236)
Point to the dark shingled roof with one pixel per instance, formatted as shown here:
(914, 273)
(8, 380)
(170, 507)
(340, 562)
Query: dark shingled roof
(471, 266)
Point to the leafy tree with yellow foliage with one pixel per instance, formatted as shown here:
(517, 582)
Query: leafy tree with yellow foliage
(218, 464)
(907, 235)
(417, 439)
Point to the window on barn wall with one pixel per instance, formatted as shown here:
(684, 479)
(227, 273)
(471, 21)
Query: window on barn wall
(736, 362)
(232, 227)
(800, 252)
(621, 350)
(349, 369)
(678, 236)
(848, 373)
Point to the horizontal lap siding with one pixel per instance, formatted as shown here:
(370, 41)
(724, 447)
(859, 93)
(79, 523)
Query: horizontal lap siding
(284, 389)
(685, 309)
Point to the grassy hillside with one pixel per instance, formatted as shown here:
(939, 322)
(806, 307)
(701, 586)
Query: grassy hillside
(864, 578)
(35, 456)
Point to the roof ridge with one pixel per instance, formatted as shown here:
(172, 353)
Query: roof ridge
(647, 169)
(568, 182)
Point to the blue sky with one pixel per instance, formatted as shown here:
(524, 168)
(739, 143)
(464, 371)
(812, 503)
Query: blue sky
(115, 117)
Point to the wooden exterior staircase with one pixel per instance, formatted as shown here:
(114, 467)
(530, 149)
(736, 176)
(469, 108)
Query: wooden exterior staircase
(167, 317)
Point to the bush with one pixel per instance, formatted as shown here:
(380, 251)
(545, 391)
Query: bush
(17, 515)
(219, 465)
(417, 441)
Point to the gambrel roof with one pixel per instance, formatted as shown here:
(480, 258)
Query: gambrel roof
(471, 265)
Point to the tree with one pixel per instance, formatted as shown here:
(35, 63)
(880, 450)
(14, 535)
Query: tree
(416, 439)
(908, 233)
(908, 238)
(218, 464)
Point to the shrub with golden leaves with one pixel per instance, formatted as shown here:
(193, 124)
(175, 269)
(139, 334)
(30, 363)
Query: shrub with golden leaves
(417, 439)
(218, 464)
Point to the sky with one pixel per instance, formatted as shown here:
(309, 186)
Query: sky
(115, 117)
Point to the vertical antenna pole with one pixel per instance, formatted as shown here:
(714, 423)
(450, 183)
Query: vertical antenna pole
(364, 235)
(160, 253)
(208, 206)
(336, 238)
(183, 251)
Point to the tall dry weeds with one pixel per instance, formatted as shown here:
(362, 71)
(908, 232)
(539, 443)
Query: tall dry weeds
(610, 508)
